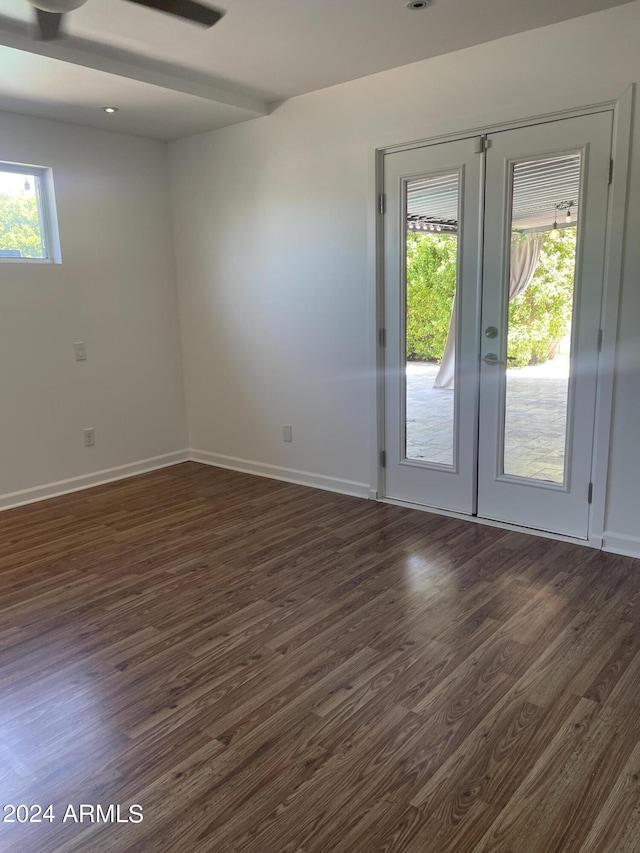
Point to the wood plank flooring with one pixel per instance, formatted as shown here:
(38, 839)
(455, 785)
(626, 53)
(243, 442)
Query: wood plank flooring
(266, 668)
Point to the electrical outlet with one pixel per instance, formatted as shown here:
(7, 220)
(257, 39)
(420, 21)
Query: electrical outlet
(89, 437)
(287, 433)
(80, 351)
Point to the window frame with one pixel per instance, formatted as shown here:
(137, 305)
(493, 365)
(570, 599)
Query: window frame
(46, 212)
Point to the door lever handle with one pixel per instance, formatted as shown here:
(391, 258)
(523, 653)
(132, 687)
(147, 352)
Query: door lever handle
(492, 358)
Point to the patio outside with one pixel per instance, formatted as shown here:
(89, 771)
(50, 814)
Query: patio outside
(535, 418)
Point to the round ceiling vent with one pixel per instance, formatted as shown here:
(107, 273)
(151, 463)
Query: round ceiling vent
(418, 4)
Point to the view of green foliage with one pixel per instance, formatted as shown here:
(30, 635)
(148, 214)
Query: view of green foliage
(538, 319)
(431, 284)
(19, 225)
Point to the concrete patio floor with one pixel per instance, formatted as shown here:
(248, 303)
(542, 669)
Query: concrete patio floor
(535, 425)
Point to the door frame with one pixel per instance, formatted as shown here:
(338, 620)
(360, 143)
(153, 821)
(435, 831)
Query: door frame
(622, 108)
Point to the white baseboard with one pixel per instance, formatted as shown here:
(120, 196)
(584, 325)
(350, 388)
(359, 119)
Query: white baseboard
(620, 543)
(85, 481)
(288, 475)
(616, 543)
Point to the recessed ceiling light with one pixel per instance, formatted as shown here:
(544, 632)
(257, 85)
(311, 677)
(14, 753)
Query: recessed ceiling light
(418, 4)
(110, 109)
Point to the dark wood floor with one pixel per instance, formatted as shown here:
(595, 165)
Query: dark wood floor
(272, 669)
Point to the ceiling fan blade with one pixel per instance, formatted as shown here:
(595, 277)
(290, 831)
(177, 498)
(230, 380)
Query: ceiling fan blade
(48, 25)
(206, 16)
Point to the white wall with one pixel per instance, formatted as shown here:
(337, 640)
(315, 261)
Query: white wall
(273, 259)
(115, 290)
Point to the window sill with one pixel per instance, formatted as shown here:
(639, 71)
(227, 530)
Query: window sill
(28, 261)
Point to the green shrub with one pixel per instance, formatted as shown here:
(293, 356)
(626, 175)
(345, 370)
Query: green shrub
(431, 284)
(538, 319)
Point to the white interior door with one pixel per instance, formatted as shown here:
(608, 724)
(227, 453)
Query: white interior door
(430, 433)
(536, 423)
(468, 430)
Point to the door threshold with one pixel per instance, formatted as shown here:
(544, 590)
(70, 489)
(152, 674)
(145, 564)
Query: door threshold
(595, 542)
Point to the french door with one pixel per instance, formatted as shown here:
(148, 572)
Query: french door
(493, 268)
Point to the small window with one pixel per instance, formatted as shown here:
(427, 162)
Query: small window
(27, 230)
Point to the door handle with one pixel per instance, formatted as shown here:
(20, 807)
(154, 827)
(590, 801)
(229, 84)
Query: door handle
(492, 358)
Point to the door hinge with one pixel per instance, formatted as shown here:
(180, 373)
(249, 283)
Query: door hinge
(481, 144)
(382, 337)
(610, 171)
(383, 459)
(590, 493)
(600, 335)
(382, 203)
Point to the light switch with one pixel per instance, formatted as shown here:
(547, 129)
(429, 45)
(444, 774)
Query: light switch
(80, 350)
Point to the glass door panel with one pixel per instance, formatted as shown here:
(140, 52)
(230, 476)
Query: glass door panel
(544, 223)
(431, 275)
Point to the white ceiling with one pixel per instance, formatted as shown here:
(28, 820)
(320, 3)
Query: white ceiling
(172, 79)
